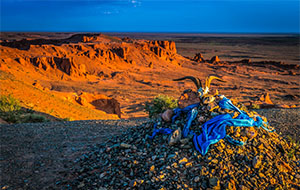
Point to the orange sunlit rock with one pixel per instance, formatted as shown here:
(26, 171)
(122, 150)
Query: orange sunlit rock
(85, 76)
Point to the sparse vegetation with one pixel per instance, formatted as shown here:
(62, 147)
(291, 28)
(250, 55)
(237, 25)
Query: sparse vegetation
(255, 106)
(294, 147)
(159, 104)
(33, 118)
(11, 111)
(9, 104)
(67, 119)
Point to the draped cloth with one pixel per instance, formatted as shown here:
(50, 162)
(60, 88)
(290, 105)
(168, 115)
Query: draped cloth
(214, 129)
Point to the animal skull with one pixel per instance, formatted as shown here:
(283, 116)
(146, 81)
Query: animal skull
(190, 97)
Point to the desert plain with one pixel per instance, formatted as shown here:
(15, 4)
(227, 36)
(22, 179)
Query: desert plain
(82, 76)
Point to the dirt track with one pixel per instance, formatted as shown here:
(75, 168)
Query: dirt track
(34, 156)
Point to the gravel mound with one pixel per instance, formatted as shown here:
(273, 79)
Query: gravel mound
(132, 160)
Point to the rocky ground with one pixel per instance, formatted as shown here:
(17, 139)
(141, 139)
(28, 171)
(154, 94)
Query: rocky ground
(84, 154)
(33, 156)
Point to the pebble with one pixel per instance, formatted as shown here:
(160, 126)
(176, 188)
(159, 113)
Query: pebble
(124, 145)
(213, 182)
(256, 163)
(81, 185)
(196, 179)
(183, 160)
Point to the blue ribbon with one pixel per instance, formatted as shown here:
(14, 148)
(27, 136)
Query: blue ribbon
(165, 131)
(225, 103)
(192, 114)
(178, 111)
(215, 129)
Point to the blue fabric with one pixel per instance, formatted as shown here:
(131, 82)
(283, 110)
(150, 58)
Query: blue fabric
(225, 103)
(192, 114)
(165, 131)
(233, 141)
(215, 129)
(178, 111)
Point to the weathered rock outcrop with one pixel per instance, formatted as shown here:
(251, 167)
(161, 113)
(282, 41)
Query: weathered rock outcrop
(198, 58)
(91, 37)
(107, 55)
(64, 64)
(111, 106)
(99, 102)
(168, 45)
(122, 52)
(23, 61)
(161, 53)
(215, 59)
(44, 63)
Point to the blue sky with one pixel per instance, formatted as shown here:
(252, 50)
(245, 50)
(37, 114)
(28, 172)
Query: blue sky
(203, 16)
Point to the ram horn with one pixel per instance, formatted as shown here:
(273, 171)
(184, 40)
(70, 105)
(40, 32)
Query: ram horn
(196, 81)
(210, 78)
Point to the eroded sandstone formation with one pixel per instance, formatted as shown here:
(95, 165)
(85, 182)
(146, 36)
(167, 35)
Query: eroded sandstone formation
(99, 102)
(111, 106)
(111, 65)
(66, 65)
(215, 59)
(198, 58)
(78, 55)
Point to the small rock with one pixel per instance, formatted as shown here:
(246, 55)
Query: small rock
(196, 179)
(81, 185)
(171, 156)
(201, 119)
(132, 183)
(152, 168)
(214, 182)
(175, 137)
(183, 160)
(251, 132)
(184, 141)
(124, 145)
(167, 115)
(256, 162)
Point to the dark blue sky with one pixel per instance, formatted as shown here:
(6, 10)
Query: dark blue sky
(203, 16)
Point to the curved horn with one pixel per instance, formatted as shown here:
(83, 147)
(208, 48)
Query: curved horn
(196, 81)
(210, 78)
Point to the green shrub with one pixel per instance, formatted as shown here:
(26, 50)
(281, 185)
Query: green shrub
(10, 111)
(294, 147)
(9, 104)
(255, 106)
(32, 118)
(67, 119)
(159, 104)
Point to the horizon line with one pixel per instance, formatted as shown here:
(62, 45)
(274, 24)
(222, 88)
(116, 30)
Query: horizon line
(156, 32)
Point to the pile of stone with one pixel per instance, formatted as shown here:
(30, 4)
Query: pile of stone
(133, 160)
